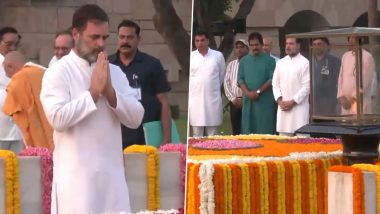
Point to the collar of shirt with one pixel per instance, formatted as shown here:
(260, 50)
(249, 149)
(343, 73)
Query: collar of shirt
(80, 60)
(115, 58)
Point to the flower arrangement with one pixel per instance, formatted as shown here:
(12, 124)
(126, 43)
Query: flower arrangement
(313, 140)
(152, 172)
(269, 147)
(12, 184)
(46, 158)
(286, 186)
(224, 144)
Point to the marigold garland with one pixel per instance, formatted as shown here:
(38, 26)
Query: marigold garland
(190, 188)
(305, 184)
(287, 184)
(153, 172)
(236, 188)
(297, 185)
(12, 183)
(245, 188)
(320, 175)
(289, 187)
(280, 187)
(229, 188)
(272, 185)
(219, 189)
(264, 191)
(197, 195)
(376, 170)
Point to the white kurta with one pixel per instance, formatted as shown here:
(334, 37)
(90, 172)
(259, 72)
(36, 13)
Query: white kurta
(53, 60)
(8, 130)
(88, 161)
(291, 80)
(205, 98)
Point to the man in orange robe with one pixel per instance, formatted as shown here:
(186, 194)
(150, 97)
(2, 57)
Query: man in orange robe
(22, 102)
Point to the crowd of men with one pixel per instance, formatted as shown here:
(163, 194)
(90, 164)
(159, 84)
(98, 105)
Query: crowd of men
(86, 107)
(268, 95)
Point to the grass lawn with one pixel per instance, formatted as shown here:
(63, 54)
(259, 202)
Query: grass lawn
(225, 128)
(181, 124)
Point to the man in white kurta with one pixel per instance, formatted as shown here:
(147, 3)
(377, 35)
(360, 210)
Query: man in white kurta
(10, 135)
(347, 81)
(291, 89)
(207, 72)
(88, 161)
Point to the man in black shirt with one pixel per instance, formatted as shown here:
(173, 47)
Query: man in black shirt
(146, 75)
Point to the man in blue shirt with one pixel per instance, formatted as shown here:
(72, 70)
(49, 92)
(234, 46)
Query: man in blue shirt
(146, 75)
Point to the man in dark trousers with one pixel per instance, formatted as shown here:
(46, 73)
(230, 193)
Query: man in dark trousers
(145, 75)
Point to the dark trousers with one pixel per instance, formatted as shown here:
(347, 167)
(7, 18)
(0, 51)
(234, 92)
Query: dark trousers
(235, 115)
(132, 136)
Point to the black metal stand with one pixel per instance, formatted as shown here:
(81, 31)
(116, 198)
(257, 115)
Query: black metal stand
(360, 149)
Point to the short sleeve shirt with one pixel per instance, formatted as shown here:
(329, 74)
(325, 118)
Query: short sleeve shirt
(144, 72)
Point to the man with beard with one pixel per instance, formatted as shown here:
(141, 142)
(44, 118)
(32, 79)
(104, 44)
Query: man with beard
(291, 89)
(255, 77)
(146, 76)
(85, 99)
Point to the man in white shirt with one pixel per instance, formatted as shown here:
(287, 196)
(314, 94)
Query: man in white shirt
(291, 89)
(63, 44)
(207, 71)
(231, 88)
(85, 99)
(10, 136)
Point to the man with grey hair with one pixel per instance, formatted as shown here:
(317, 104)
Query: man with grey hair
(267, 47)
(63, 44)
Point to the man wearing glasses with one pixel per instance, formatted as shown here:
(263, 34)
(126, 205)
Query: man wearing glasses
(10, 137)
(63, 44)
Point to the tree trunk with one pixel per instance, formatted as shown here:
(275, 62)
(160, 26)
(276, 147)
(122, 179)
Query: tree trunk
(227, 43)
(169, 25)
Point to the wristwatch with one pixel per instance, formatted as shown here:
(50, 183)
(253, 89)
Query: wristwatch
(258, 92)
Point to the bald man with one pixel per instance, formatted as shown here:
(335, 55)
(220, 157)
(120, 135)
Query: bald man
(267, 47)
(63, 44)
(22, 102)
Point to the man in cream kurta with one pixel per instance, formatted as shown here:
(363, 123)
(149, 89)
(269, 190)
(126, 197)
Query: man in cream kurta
(207, 72)
(347, 81)
(291, 89)
(85, 99)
